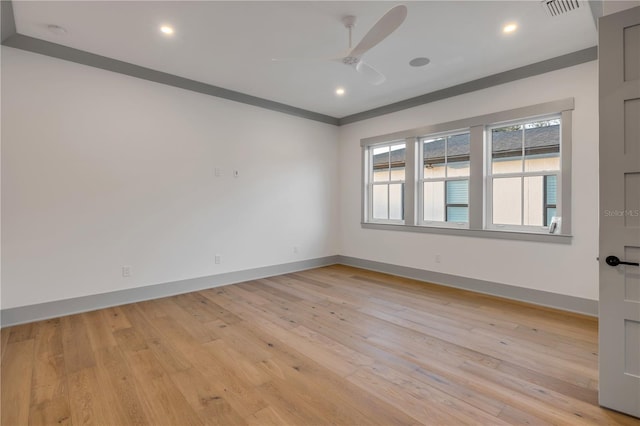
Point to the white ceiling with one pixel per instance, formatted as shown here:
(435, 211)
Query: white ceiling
(231, 44)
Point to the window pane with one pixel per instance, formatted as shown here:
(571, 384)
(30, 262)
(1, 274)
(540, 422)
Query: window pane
(458, 192)
(398, 161)
(434, 170)
(380, 202)
(507, 196)
(506, 149)
(434, 157)
(457, 214)
(542, 146)
(381, 164)
(396, 201)
(433, 201)
(458, 169)
(533, 201)
(380, 150)
(551, 212)
(381, 175)
(458, 148)
(552, 185)
(542, 162)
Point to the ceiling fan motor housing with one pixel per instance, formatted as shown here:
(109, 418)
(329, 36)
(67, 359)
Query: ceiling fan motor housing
(349, 21)
(350, 60)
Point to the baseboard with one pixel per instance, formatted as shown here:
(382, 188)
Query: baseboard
(537, 297)
(58, 308)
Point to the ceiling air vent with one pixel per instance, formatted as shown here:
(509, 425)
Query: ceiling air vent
(558, 7)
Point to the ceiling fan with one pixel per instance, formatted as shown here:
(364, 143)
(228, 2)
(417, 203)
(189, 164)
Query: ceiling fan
(382, 29)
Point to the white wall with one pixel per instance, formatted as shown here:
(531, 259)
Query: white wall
(101, 170)
(565, 269)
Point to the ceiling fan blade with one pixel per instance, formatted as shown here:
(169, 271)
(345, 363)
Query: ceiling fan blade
(336, 58)
(381, 30)
(371, 74)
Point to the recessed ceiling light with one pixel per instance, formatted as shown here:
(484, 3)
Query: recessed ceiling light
(419, 62)
(340, 91)
(509, 28)
(57, 29)
(166, 29)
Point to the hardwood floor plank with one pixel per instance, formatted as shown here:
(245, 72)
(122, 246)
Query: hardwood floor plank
(49, 388)
(52, 411)
(268, 416)
(48, 363)
(87, 401)
(22, 332)
(192, 326)
(100, 332)
(171, 359)
(332, 345)
(16, 371)
(161, 400)
(318, 397)
(244, 339)
(78, 353)
(236, 390)
(151, 309)
(584, 394)
(203, 309)
(210, 404)
(230, 359)
(559, 407)
(115, 318)
(422, 411)
(4, 340)
(241, 295)
(119, 390)
(246, 309)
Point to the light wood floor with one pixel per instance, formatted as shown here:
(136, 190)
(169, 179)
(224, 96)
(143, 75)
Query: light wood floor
(334, 345)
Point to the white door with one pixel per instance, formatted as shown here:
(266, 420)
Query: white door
(619, 309)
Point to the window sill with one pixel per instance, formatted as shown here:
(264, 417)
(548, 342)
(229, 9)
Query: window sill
(478, 233)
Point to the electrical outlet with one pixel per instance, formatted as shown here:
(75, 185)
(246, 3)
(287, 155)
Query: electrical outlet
(217, 259)
(126, 271)
(217, 172)
(438, 258)
(236, 173)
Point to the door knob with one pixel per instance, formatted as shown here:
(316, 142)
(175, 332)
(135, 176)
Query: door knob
(614, 261)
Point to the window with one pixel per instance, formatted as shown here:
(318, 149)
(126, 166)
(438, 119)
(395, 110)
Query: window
(500, 175)
(386, 182)
(522, 174)
(444, 179)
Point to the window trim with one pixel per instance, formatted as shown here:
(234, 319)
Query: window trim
(477, 216)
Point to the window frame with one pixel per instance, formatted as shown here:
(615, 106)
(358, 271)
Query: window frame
(371, 183)
(490, 176)
(477, 180)
(421, 181)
